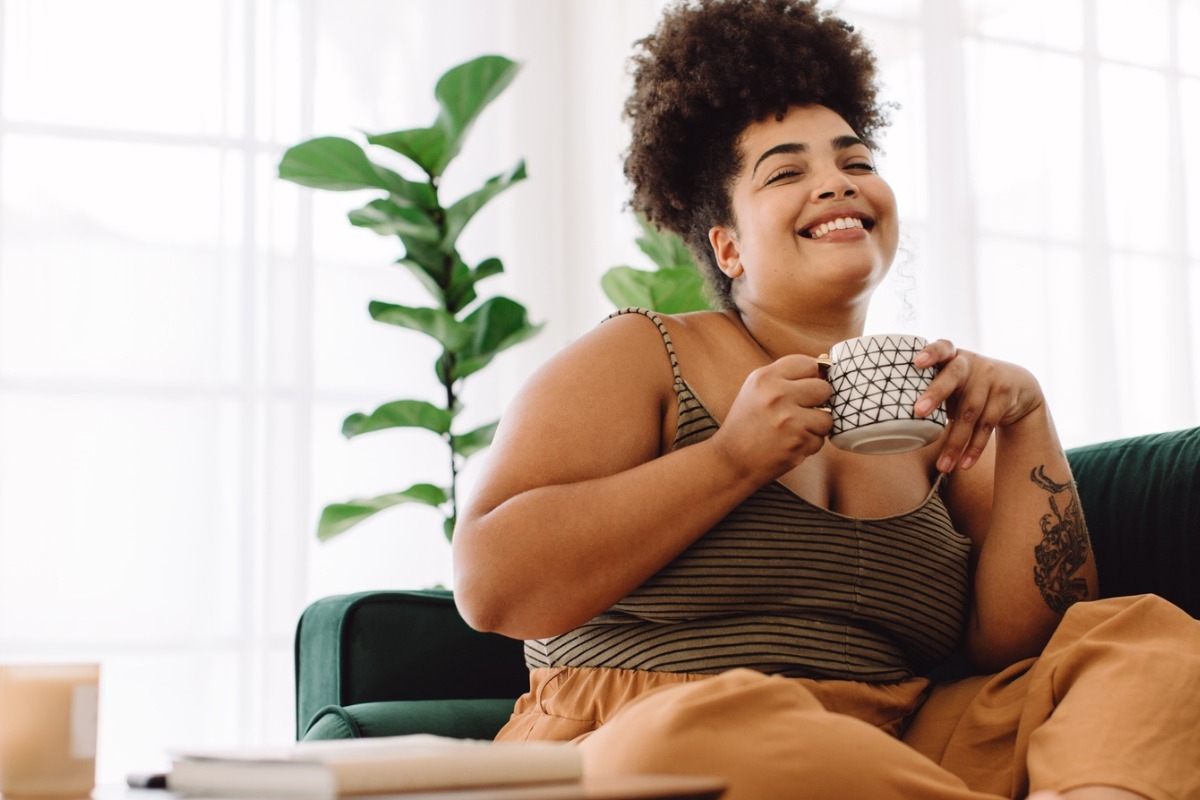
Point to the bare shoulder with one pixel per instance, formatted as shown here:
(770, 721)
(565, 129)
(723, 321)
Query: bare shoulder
(626, 354)
(595, 408)
(630, 352)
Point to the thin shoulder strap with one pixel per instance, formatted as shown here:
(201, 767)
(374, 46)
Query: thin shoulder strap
(666, 337)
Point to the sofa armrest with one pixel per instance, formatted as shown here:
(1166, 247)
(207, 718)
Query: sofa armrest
(462, 719)
(370, 647)
(1141, 501)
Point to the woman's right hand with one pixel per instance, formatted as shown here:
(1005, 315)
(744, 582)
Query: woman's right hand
(777, 419)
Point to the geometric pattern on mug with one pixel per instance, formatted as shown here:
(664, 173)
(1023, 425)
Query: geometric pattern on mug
(879, 383)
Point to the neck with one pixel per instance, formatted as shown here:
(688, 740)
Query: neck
(778, 337)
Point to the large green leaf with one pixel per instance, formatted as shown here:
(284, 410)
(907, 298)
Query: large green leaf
(471, 442)
(461, 291)
(390, 219)
(463, 92)
(429, 255)
(425, 147)
(409, 193)
(486, 269)
(459, 214)
(463, 280)
(429, 281)
(434, 322)
(668, 291)
(665, 249)
(339, 517)
(399, 414)
(495, 326)
(331, 162)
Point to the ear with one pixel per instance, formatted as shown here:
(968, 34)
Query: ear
(725, 248)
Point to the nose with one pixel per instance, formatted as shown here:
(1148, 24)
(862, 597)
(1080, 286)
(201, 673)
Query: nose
(836, 185)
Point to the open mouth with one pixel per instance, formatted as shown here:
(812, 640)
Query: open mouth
(837, 224)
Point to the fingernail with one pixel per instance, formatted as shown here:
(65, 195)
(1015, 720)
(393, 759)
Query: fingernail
(967, 462)
(945, 464)
(923, 407)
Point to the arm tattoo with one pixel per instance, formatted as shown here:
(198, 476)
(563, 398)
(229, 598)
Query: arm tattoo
(1064, 547)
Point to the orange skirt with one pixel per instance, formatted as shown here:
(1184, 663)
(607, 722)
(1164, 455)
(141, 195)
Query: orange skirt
(1114, 700)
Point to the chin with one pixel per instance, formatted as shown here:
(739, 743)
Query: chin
(871, 272)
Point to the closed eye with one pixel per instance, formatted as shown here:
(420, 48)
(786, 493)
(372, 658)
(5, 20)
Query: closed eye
(786, 172)
(861, 166)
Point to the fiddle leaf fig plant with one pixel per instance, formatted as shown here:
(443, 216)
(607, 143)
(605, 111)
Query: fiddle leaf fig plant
(470, 330)
(675, 287)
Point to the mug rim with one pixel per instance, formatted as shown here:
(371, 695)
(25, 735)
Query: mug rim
(872, 336)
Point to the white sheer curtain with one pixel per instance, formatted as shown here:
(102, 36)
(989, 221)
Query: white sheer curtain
(181, 333)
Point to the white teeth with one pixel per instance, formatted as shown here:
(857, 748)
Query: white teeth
(839, 224)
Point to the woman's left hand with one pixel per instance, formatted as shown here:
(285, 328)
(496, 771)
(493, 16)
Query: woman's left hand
(981, 394)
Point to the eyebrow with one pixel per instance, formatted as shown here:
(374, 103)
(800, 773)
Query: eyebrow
(843, 142)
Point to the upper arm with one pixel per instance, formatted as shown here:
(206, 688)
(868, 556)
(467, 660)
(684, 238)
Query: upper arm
(594, 409)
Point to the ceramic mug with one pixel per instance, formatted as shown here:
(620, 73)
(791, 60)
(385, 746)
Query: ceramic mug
(48, 726)
(875, 387)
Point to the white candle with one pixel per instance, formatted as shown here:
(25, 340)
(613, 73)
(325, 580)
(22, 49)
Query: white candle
(48, 718)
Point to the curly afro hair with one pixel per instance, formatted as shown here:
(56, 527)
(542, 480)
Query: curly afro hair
(711, 69)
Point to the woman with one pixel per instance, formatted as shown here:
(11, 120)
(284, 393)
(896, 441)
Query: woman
(706, 585)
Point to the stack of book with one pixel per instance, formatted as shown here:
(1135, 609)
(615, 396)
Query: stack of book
(416, 766)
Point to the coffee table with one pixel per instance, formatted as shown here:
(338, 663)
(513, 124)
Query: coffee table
(616, 787)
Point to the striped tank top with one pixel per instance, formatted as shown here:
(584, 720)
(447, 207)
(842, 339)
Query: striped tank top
(785, 587)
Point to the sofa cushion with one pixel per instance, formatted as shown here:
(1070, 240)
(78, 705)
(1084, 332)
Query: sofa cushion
(1141, 500)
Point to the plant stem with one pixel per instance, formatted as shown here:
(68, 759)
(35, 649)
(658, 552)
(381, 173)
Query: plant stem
(449, 358)
(450, 400)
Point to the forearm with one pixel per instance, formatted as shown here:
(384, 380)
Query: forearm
(551, 558)
(1036, 560)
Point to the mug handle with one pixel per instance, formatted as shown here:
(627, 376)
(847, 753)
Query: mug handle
(824, 362)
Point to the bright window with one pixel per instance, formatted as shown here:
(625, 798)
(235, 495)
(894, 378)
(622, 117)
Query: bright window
(181, 333)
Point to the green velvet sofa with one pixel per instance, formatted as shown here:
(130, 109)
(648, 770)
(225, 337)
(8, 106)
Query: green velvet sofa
(386, 663)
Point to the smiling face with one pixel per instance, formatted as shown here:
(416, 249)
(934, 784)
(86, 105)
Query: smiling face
(814, 224)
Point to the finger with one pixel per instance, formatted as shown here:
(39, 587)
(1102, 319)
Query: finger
(819, 421)
(1000, 400)
(802, 431)
(807, 392)
(817, 425)
(810, 392)
(938, 352)
(970, 403)
(970, 456)
(953, 375)
(795, 367)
